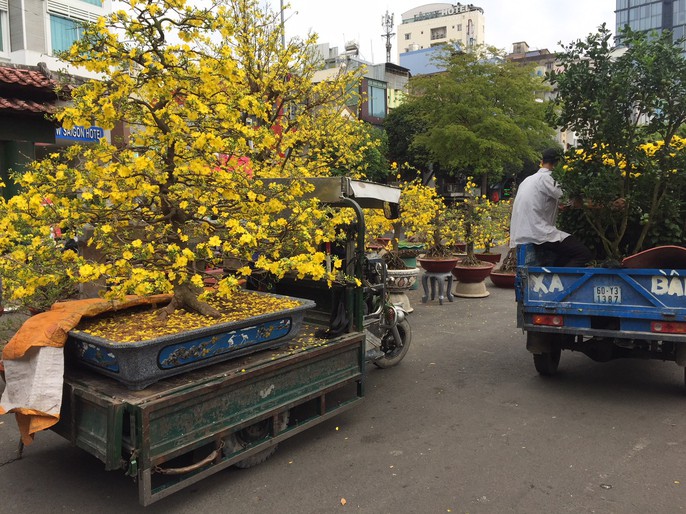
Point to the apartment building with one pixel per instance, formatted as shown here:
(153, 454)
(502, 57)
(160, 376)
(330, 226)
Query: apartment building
(435, 24)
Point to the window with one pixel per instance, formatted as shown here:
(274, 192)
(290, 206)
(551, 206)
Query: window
(64, 32)
(377, 101)
(438, 33)
(408, 35)
(459, 27)
(4, 31)
(67, 18)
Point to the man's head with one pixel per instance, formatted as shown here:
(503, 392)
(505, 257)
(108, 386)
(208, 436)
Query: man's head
(550, 157)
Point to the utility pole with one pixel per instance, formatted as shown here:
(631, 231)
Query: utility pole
(283, 27)
(387, 23)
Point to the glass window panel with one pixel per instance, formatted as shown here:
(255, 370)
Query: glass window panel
(377, 102)
(93, 2)
(63, 32)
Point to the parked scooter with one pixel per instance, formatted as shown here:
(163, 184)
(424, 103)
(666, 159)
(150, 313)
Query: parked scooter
(387, 331)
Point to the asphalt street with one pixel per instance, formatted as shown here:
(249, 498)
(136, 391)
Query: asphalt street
(464, 424)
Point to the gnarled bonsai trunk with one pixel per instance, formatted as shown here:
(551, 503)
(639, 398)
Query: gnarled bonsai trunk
(186, 297)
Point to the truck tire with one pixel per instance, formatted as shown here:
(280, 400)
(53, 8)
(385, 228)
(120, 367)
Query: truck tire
(393, 353)
(243, 438)
(546, 363)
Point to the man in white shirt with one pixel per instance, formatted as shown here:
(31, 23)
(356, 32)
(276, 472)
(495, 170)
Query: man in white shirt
(534, 214)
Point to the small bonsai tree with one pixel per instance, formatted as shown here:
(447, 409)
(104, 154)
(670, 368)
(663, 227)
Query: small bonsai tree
(479, 222)
(213, 106)
(423, 214)
(422, 218)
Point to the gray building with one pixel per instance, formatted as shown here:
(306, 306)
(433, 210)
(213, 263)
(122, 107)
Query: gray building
(652, 15)
(33, 31)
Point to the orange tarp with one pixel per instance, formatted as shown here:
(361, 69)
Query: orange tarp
(50, 329)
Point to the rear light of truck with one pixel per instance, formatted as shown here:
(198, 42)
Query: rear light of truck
(668, 327)
(552, 320)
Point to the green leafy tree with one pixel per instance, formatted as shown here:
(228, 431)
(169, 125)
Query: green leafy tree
(479, 115)
(402, 125)
(215, 105)
(627, 106)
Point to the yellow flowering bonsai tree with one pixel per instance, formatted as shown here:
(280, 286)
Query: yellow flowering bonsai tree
(627, 109)
(213, 106)
(422, 218)
(479, 222)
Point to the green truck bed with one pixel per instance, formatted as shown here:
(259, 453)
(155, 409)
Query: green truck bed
(180, 430)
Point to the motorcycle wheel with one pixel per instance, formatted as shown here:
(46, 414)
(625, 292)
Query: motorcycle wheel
(393, 353)
(546, 363)
(243, 438)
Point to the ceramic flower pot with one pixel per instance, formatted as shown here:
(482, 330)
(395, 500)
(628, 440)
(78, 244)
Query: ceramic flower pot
(472, 274)
(503, 279)
(437, 265)
(411, 262)
(489, 257)
(398, 282)
(470, 280)
(139, 364)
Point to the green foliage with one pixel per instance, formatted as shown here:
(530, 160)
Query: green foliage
(478, 116)
(376, 168)
(627, 107)
(402, 124)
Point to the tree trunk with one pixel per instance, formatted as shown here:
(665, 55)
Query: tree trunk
(186, 297)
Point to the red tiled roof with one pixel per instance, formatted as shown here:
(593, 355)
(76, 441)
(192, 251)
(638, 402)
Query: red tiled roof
(15, 104)
(24, 77)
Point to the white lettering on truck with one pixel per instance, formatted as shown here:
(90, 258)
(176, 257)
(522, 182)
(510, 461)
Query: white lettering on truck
(673, 286)
(539, 283)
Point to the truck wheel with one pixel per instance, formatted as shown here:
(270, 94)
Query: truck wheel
(260, 430)
(394, 353)
(546, 363)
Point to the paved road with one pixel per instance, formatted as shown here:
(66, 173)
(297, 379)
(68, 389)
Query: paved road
(463, 425)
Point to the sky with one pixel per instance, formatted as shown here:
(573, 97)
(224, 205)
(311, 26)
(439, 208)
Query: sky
(541, 23)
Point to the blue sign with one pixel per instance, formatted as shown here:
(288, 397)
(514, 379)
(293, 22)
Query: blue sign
(79, 133)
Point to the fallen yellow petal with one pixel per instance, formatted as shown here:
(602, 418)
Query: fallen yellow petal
(343, 501)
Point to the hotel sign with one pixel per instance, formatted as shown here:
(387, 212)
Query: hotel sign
(78, 133)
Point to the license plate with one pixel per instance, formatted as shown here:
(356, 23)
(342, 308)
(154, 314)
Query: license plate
(607, 294)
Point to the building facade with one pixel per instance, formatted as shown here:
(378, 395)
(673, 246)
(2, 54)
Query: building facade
(33, 31)
(439, 23)
(34, 83)
(382, 87)
(650, 15)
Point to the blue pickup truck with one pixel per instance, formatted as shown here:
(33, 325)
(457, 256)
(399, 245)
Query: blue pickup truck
(606, 313)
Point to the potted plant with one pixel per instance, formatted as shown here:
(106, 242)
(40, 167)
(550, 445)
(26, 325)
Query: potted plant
(493, 228)
(417, 205)
(185, 184)
(423, 221)
(466, 218)
(504, 275)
